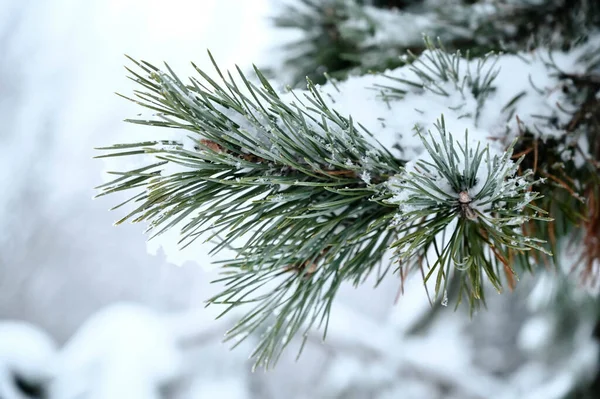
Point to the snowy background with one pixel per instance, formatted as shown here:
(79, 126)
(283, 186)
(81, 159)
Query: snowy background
(109, 317)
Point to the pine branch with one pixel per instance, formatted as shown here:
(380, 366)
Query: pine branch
(295, 180)
(309, 200)
(571, 171)
(454, 201)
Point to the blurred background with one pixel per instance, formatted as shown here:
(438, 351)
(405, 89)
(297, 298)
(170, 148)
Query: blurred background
(89, 310)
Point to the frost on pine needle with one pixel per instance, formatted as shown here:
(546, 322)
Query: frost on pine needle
(311, 189)
(461, 206)
(284, 181)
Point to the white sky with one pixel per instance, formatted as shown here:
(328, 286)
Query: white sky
(60, 70)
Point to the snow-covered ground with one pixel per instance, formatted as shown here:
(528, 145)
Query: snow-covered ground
(108, 320)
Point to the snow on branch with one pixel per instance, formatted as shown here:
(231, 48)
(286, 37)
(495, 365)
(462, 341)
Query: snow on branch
(313, 188)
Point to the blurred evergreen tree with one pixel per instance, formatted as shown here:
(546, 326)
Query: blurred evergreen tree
(360, 36)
